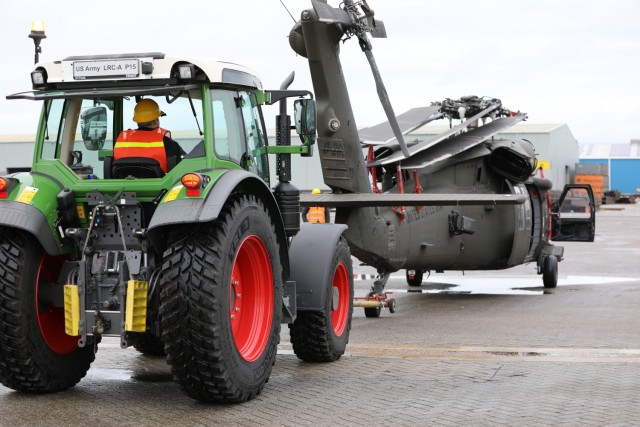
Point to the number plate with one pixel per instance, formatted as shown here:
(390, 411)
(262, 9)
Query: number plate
(127, 68)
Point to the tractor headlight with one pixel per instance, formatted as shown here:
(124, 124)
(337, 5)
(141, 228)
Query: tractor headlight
(38, 79)
(186, 71)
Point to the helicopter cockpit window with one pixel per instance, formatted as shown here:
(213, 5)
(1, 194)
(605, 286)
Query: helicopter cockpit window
(576, 204)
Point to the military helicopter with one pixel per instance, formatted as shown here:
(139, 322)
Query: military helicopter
(463, 200)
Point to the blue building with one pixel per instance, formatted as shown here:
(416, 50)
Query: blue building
(623, 161)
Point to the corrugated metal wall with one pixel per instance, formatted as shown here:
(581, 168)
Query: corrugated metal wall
(624, 174)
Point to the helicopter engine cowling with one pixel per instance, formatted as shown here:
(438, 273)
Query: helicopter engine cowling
(296, 40)
(515, 160)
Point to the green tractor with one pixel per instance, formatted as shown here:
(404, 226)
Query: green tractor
(186, 252)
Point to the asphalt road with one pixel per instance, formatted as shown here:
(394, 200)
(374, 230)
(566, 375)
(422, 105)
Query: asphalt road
(483, 348)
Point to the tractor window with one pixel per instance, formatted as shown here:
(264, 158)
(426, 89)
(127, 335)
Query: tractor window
(92, 131)
(82, 132)
(53, 113)
(254, 135)
(226, 126)
(178, 120)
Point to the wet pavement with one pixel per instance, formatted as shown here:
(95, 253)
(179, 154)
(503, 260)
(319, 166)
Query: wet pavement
(479, 348)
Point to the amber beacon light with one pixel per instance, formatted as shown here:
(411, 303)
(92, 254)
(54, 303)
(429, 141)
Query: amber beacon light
(37, 34)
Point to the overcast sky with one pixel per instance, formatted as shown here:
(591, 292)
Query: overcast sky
(561, 61)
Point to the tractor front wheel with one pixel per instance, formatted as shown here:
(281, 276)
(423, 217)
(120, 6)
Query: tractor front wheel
(149, 345)
(322, 336)
(220, 303)
(36, 355)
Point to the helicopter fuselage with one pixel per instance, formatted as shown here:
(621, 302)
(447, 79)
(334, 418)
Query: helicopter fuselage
(422, 236)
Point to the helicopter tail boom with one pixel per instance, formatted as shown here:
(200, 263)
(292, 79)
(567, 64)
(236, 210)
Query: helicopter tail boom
(409, 199)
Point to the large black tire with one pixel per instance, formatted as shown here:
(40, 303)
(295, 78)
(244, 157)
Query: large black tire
(416, 279)
(322, 336)
(150, 345)
(220, 303)
(35, 353)
(550, 272)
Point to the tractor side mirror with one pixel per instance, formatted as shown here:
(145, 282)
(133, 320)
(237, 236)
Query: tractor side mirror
(305, 118)
(93, 126)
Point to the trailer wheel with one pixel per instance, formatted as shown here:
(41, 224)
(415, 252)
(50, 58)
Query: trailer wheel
(150, 345)
(550, 272)
(414, 279)
(220, 303)
(322, 336)
(372, 312)
(36, 355)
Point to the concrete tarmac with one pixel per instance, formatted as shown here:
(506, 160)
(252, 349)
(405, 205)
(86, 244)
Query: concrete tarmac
(483, 348)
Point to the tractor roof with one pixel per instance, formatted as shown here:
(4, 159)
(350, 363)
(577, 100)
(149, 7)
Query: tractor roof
(138, 69)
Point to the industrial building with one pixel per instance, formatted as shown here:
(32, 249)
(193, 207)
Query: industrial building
(622, 161)
(16, 152)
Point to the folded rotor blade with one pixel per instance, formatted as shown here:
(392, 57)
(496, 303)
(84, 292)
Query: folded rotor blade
(408, 121)
(409, 199)
(460, 143)
(430, 143)
(386, 104)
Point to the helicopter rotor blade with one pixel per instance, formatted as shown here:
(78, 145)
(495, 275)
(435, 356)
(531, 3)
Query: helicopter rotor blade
(358, 25)
(386, 103)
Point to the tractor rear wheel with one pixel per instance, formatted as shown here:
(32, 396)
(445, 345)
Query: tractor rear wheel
(322, 336)
(220, 303)
(36, 355)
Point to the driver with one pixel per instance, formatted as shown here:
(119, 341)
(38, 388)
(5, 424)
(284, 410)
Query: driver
(149, 140)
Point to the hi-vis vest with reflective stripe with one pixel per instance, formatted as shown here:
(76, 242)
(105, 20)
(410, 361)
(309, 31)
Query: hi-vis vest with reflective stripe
(316, 214)
(142, 143)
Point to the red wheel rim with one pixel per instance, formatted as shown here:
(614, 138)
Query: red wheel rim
(340, 308)
(51, 318)
(251, 298)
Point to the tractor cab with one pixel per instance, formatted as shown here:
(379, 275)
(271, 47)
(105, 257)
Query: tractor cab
(90, 103)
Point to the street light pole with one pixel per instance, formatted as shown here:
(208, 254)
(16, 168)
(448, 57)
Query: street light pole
(37, 34)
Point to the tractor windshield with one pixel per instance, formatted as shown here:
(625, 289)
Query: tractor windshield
(82, 131)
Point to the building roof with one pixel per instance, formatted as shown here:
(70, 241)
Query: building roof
(610, 151)
(17, 138)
